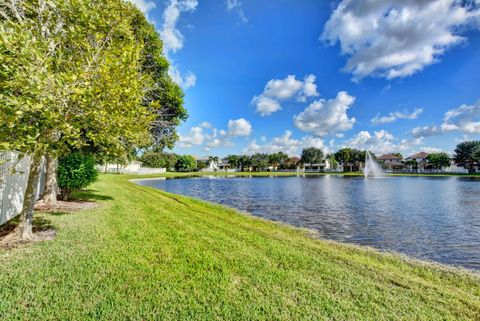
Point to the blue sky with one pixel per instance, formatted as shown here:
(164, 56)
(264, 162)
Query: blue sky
(263, 76)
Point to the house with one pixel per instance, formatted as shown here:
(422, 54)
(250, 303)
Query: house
(391, 162)
(418, 162)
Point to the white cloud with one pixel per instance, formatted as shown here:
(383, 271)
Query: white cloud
(391, 117)
(205, 124)
(277, 90)
(209, 136)
(265, 105)
(324, 117)
(285, 143)
(239, 127)
(173, 39)
(397, 38)
(144, 5)
(183, 80)
(196, 136)
(465, 119)
(431, 149)
(236, 5)
(381, 142)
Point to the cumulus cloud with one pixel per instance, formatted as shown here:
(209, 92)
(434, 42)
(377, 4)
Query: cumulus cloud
(186, 80)
(144, 5)
(397, 38)
(381, 142)
(236, 5)
(324, 117)
(285, 143)
(239, 127)
(210, 137)
(195, 136)
(391, 117)
(277, 90)
(465, 119)
(173, 39)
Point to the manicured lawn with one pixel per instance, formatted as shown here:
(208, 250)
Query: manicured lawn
(147, 254)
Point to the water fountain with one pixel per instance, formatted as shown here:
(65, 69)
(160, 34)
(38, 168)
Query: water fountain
(372, 168)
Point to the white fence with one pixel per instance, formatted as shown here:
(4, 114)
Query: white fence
(13, 183)
(129, 169)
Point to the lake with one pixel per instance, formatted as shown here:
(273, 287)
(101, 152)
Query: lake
(430, 218)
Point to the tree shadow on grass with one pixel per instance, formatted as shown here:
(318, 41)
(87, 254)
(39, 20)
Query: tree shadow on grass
(90, 195)
(40, 224)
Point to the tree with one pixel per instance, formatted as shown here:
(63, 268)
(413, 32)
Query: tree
(233, 161)
(245, 161)
(185, 163)
(467, 155)
(333, 161)
(158, 160)
(311, 155)
(344, 155)
(201, 165)
(75, 171)
(71, 79)
(438, 160)
(277, 159)
(259, 161)
(163, 90)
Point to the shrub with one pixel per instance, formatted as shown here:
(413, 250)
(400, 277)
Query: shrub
(158, 160)
(185, 163)
(75, 171)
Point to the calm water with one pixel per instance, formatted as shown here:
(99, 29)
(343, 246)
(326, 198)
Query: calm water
(436, 219)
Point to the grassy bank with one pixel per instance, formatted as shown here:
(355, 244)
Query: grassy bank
(147, 254)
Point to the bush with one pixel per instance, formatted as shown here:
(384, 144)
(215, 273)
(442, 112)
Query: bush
(158, 160)
(185, 163)
(75, 171)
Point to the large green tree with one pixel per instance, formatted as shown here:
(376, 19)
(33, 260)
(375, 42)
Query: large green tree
(277, 159)
(438, 160)
(467, 154)
(70, 78)
(311, 155)
(185, 163)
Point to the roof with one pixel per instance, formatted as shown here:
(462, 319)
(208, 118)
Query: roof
(394, 163)
(389, 156)
(420, 155)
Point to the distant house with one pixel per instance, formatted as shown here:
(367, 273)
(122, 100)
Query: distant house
(391, 162)
(418, 162)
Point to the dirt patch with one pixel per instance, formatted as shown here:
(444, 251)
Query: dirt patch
(13, 240)
(63, 206)
(43, 230)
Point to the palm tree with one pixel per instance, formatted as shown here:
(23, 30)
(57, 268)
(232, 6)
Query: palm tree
(233, 161)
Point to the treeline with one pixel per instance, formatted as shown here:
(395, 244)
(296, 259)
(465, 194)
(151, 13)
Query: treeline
(467, 154)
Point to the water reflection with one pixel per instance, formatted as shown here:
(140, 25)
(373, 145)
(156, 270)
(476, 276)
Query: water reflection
(430, 218)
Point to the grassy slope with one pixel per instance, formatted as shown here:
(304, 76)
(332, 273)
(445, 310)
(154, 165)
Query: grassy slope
(147, 254)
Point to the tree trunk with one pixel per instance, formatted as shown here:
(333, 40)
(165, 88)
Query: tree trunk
(24, 228)
(49, 196)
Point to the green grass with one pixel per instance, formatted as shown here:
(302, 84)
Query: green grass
(146, 254)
